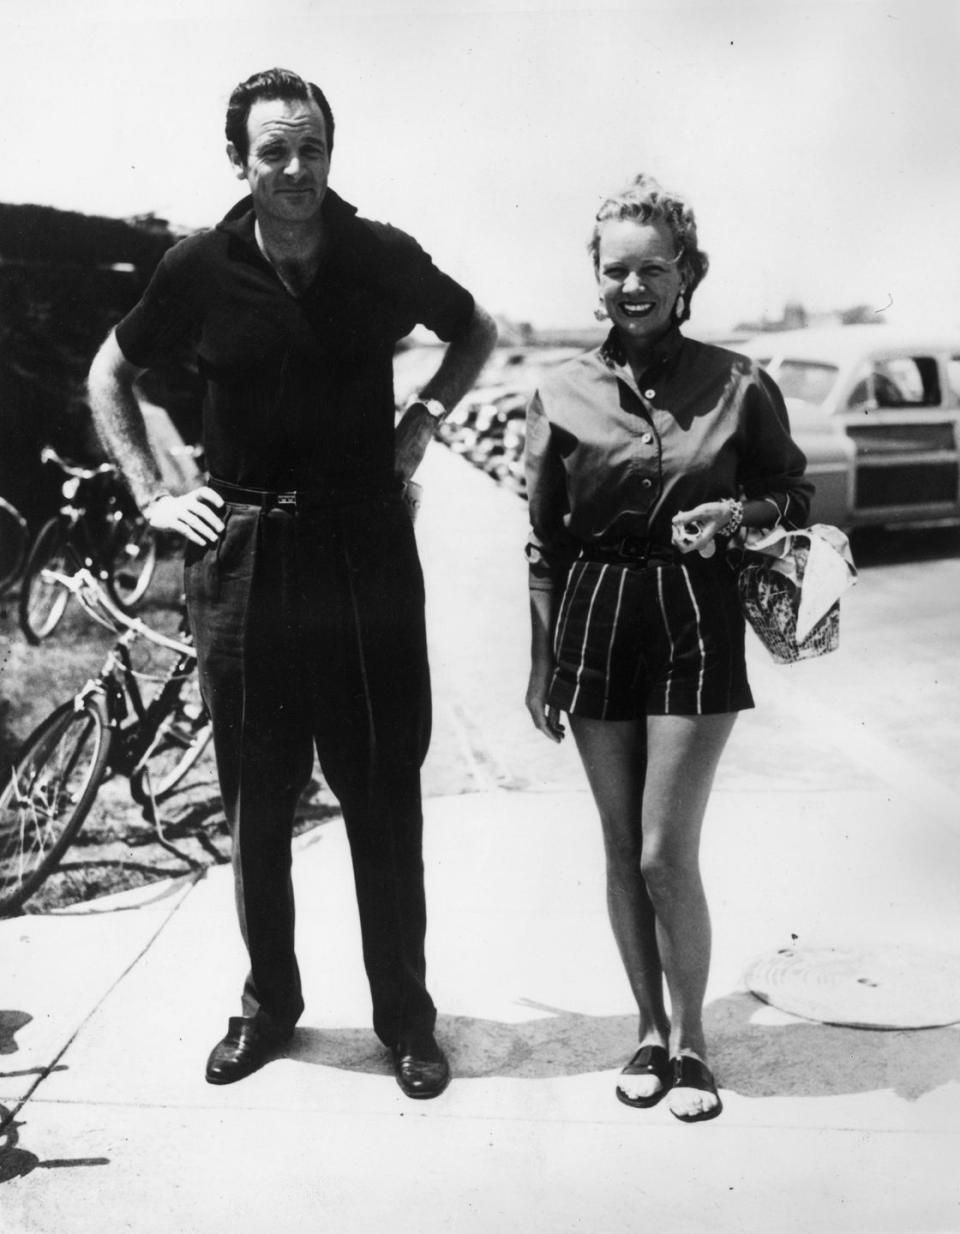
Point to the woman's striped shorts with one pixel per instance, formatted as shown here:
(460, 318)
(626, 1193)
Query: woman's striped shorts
(662, 638)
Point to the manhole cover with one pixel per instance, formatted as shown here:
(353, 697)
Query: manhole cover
(863, 987)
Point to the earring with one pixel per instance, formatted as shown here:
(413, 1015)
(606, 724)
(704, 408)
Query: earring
(600, 313)
(678, 308)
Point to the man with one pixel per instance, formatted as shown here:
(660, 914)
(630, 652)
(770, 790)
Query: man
(303, 583)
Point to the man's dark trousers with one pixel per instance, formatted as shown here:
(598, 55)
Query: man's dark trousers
(309, 627)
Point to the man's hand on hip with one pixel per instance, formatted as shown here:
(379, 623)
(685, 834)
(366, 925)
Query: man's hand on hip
(193, 515)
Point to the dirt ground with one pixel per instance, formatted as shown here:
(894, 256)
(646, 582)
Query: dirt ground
(117, 847)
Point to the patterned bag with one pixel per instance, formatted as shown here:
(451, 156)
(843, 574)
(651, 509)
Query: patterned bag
(790, 584)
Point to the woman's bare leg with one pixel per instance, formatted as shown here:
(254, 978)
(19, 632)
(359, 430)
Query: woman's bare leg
(614, 757)
(682, 757)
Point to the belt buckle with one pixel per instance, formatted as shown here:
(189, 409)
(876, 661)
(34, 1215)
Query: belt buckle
(636, 550)
(288, 500)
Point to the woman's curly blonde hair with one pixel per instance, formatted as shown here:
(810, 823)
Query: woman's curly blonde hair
(646, 201)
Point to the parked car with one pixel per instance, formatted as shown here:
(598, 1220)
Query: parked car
(877, 411)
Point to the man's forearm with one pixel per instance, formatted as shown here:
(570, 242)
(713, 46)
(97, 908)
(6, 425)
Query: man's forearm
(464, 358)
(119, 422)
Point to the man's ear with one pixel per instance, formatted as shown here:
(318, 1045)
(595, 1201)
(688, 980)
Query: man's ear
(236, 162)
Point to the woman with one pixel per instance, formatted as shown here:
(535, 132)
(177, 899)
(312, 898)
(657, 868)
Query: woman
(643, 457)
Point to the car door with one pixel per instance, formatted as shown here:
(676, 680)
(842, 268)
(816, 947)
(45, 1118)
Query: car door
(903, 425)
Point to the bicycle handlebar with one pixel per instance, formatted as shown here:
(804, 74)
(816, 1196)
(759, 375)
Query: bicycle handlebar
(93, 597)
(49, 455)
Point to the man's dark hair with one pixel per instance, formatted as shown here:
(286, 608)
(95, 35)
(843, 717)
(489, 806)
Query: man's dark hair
(271, 84)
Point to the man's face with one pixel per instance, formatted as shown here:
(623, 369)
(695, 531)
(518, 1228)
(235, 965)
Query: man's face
(288, 162)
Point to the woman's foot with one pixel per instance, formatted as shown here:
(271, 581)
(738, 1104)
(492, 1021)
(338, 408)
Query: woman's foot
(646, 1077)
(693, 1090)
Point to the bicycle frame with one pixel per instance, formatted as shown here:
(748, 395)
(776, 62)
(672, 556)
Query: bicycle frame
(117, 679)
(109, 726)
(134, 721)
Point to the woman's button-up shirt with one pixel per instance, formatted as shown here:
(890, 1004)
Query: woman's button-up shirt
(607, 457)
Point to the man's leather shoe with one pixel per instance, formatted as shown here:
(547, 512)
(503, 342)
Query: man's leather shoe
(421, 1066)
(244, 1049)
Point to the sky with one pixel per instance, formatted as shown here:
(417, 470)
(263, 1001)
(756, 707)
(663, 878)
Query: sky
(817, 142)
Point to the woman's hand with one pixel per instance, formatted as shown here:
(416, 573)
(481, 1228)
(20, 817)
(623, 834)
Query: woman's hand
(694, 530)
(193, 515)
(545, 718)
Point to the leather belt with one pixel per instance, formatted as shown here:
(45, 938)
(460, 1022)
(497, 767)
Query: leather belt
(630, 550)
(293, 500)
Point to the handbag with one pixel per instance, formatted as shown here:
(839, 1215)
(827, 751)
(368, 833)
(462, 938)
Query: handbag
(790, 583)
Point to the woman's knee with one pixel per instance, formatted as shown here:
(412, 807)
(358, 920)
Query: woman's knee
(668, 874)
(622, 842)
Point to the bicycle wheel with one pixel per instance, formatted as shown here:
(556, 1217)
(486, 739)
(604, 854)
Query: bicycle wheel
(182, 737)
(133, 560)
(47, 795)
(42, 601)
(13, 544)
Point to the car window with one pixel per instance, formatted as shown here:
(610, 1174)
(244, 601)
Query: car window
(906, 381)
(806, 380)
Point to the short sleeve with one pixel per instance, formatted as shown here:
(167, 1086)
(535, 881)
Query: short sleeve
(429, 296)
(550, 548)
(774, 464)
(157, 327)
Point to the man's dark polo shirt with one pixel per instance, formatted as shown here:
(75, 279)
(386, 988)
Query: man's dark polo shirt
(299, 392)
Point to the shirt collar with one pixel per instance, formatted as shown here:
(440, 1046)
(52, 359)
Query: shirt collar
(665, 351)
(239, 219)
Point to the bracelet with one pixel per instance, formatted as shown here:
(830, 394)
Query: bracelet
(734, 518)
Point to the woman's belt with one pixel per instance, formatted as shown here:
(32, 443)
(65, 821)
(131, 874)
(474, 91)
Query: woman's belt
(330, 497)
(631, 551)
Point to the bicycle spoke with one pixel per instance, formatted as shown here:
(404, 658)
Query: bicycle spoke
(46, 797)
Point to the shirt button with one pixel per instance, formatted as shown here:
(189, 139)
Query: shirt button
(647, 438)
(649, 393)
(646, 483)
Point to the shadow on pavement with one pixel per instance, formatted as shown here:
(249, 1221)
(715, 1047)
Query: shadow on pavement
(17, 1162)
(755, 1060)
(10, 1024)
(808, 1059)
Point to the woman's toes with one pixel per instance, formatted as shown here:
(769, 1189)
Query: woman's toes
(639, 1087)
(690, 1102)
(693, 1093)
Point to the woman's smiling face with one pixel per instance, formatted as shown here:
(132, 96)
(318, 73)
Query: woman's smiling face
(639, 277)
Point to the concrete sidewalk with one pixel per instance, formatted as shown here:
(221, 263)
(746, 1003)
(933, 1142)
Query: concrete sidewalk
(818, 831)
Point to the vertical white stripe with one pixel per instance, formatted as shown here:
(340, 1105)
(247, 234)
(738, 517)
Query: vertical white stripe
(586, 635)
(566, 602)
(666, 627)
(703, 657)
(613, 635)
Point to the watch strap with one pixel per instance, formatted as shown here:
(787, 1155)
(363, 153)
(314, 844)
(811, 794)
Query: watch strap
(433, 406)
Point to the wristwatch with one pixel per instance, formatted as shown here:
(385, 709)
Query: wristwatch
(433, 406)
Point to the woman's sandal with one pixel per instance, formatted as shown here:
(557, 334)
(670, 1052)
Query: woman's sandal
(690, 1072)
(648, 1060)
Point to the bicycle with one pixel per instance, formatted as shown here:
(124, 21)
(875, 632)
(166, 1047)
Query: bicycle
(107, 729)
(99, 527)
(13, 544)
